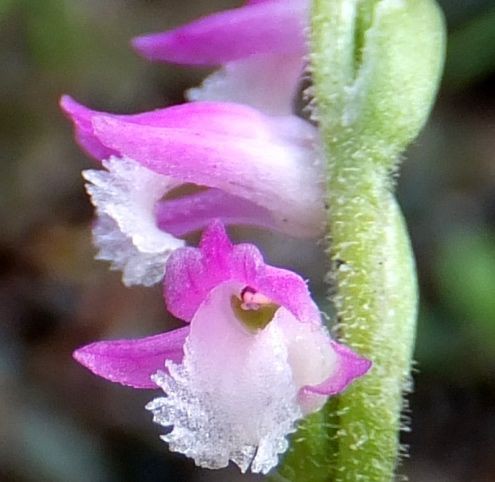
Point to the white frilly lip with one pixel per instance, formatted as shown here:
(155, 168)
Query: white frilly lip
(234, 397)
(125, 231)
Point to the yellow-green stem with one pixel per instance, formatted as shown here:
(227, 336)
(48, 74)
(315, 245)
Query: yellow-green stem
(375, 298)
(376, 66)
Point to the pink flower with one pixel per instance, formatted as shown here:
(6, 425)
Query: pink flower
(251, 168)
(261, 47)
(254, 359)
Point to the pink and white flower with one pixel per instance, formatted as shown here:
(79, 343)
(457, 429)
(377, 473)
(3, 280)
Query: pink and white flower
(254, 358)
(250, 168)
(260, 46)
(256, 167)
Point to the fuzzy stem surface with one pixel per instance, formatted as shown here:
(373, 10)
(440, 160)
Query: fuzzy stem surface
(376, 65)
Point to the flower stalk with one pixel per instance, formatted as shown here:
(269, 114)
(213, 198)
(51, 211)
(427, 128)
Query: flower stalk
(376, 66)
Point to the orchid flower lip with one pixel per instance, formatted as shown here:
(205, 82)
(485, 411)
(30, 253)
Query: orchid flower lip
(125, 231)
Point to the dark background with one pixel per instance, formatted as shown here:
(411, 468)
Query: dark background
(59, 423)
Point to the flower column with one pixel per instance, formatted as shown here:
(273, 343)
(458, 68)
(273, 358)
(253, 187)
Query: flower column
(376, 65)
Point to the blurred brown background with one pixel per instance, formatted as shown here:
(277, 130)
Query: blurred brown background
(57, 422)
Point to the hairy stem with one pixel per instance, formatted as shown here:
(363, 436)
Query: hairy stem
(374, 279)
(367, 119)
(376, 66)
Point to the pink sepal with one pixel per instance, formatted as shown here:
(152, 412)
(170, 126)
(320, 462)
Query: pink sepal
(198, 117)
(192, 273)
(349, 367)
(81, 116)
(190, 213)
(260, 27)
(132, 362)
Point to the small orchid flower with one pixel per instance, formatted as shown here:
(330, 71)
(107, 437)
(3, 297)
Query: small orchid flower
(247, 168)
(261, 47)
(254, 359)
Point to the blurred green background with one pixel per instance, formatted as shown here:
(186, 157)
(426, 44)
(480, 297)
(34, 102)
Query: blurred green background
(57, 422)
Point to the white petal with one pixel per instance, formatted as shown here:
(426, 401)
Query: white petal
(125, 231)
(233, 397)
(311, 357)
(266, 82)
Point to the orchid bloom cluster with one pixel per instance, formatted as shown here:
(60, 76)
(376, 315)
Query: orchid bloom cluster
(254, 357)
(254, 161)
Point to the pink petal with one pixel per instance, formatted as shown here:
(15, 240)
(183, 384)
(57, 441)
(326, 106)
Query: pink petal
(257, 28)
(216, 117)
(350, 366)
(190, 213)
(81, 117)
(274, 172)
(132, 362)
(289, 290)
(192, 273)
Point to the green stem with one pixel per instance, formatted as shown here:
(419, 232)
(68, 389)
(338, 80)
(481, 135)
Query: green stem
(375, 299)
(376, 66)
(367, 119)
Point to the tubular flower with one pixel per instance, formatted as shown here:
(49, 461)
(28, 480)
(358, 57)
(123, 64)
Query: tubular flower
(254, 359)
(247, 168)
(260, 46)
